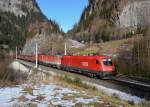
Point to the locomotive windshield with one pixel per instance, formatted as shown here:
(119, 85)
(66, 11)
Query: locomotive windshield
(107, 62)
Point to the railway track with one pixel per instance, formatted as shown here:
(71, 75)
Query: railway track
(139, 87)
(145, 86)
(131, 81)
(140, 79)
(135, 86)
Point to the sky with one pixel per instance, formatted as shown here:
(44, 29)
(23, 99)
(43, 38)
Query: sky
(65, 12)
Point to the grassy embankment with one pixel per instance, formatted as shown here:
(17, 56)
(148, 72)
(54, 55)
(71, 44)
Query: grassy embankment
(78, 84)
(113, 101)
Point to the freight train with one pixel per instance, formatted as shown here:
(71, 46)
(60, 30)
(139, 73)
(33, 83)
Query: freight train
(100, 66)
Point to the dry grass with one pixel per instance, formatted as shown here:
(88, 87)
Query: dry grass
(6, 75)
(28, 90)
(114, 46)
(22, 98)
(110, 47)
(77, 84)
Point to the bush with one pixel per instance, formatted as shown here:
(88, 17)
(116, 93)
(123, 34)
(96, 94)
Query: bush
(78, 82)
(136, 62)
(5, 73)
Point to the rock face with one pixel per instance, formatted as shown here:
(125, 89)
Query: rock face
(135, 13)
(20, 20)
(50, 44)
(47, 44)
(16, 6)
(12, 6)
(104, 20)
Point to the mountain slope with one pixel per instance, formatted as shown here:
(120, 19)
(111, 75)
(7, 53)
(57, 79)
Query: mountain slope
(98, 16)
(104, 20)
(19, 20)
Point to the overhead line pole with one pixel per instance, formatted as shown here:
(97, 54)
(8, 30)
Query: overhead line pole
(36, 56)
(16, 53)
(65, 48)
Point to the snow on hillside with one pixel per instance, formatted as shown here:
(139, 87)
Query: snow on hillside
(43, 96)
(75, 44)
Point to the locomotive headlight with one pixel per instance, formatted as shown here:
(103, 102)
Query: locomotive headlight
(109, 59)
(107, 62)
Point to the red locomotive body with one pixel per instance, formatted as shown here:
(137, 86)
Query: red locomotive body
(99, 65)
(54, 61)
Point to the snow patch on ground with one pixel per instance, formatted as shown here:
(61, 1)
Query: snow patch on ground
(75, 44)
(112, 92)
(119, 94)
(49, 95)
(18, 67)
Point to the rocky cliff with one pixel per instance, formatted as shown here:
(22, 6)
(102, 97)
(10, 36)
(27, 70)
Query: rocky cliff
(135, 13)
(19, 7)
(22, 19)
(104, 20)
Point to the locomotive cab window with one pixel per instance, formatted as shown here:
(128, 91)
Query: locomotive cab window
(107, 62)
(97, 62)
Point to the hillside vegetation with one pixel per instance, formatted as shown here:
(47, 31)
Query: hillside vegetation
(20, 20)
(6, 75)
(97, 21)
(136, 62)
(102, 20)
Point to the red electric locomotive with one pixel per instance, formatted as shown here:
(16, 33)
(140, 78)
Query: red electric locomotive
(101, 66)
